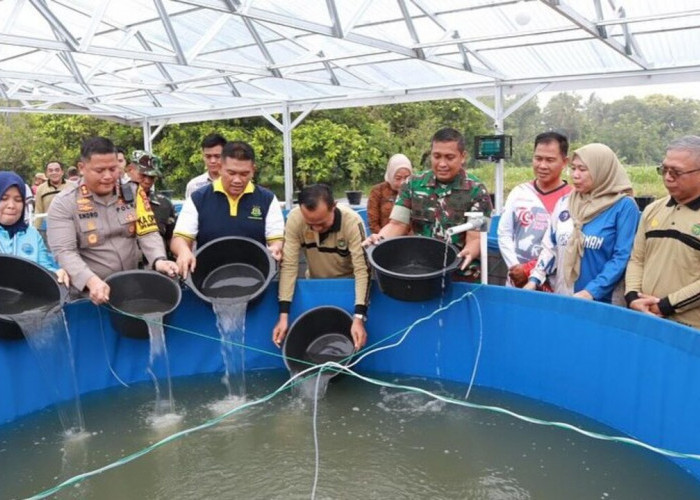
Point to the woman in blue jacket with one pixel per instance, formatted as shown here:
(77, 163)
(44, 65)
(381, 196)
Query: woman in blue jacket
(588, 244)
(16, 236)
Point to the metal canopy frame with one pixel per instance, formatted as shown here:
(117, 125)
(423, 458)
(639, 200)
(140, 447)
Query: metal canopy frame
(155, 62)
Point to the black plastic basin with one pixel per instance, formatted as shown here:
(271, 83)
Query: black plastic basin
(319, 335)
(24, 286)
(140, 292)
(232, 268)
(412, 268)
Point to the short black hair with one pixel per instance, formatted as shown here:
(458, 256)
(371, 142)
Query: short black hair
(311, 195)
(121, 150)
(449, 134)
(213, 140)
(561, 139)
(63, 167)
(96, 146)
(72, 171)
(238, 150)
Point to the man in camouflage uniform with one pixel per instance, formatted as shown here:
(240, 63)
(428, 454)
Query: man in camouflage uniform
(436, 200)
(162, 208)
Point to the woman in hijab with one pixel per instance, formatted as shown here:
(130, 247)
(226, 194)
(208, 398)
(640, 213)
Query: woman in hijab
(16, 236)
(592, 229)
(383, 195)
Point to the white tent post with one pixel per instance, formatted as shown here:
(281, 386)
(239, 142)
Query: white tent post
(499, 186)
(146, 136)
(288, 166)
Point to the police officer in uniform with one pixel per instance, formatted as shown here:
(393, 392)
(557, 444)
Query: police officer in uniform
(93, 227)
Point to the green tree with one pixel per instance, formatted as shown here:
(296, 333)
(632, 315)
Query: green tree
(564, 113)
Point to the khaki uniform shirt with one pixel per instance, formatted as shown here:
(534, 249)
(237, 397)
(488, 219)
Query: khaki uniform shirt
(665, 260)
(337, 253)
(43, 198)
(96, 235)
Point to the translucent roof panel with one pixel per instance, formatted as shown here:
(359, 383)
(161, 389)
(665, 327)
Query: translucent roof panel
(184, 60)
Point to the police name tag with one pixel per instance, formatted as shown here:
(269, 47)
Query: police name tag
(126, 214)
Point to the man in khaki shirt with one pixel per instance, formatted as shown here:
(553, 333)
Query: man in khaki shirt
(663, 274)
(331, 238)
(93, 228)
(47, 191)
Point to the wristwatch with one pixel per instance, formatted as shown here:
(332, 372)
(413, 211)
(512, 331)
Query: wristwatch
(360, 316)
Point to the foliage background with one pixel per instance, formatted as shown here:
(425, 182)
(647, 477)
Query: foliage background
(350, 147)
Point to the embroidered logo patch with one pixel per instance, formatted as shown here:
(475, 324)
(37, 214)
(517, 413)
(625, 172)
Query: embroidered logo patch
(564, 216)
(256, 211)
(92, 239)
(28, 248)
(696, 229)
(654, 223)
(342, 245)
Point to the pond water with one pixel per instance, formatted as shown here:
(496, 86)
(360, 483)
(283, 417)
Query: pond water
(373, 442)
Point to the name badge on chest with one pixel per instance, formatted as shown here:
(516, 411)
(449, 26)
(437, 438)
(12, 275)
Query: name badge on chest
(126, 213)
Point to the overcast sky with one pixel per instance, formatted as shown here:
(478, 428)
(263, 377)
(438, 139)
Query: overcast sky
(680, 90)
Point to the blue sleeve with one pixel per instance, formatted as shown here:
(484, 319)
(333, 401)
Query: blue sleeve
(44, 257)
(626, 221)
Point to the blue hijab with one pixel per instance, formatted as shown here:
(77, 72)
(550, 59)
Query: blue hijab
(7, 180)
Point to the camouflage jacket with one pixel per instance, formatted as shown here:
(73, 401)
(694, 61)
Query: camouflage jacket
(435, 207)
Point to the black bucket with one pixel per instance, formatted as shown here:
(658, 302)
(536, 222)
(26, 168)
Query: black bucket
(319, 335)
(232, 268)
(24, 286)
(140, 292)
(411, 267)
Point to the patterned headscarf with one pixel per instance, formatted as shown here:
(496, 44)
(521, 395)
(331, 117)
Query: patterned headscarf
(610, 184)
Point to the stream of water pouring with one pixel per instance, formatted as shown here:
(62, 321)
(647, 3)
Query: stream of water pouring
(158, 363)
(46, 331)
(230, 321)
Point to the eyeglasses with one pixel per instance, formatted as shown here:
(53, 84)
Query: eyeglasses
(673, 173)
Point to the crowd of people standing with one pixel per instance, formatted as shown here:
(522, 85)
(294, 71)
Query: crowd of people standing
(585, 239)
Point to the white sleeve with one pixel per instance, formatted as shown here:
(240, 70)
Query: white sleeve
(28, 204)
(506, 243)
(274, 222)
(547, 260)
(187, 224)
(188, 189)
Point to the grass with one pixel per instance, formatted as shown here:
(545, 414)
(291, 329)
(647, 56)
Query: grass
(645, 180)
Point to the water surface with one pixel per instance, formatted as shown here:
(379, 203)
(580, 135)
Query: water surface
(374, 443)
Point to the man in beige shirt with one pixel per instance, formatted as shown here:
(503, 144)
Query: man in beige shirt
(47, 191)
(663, 274)
(93, 229)
(331, 238)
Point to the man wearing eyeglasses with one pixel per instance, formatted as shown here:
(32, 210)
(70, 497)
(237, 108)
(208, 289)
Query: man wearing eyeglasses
(663, 275)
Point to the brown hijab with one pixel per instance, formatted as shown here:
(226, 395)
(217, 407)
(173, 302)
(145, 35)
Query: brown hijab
(610, 184)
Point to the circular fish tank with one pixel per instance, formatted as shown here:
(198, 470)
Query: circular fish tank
(589, 360)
